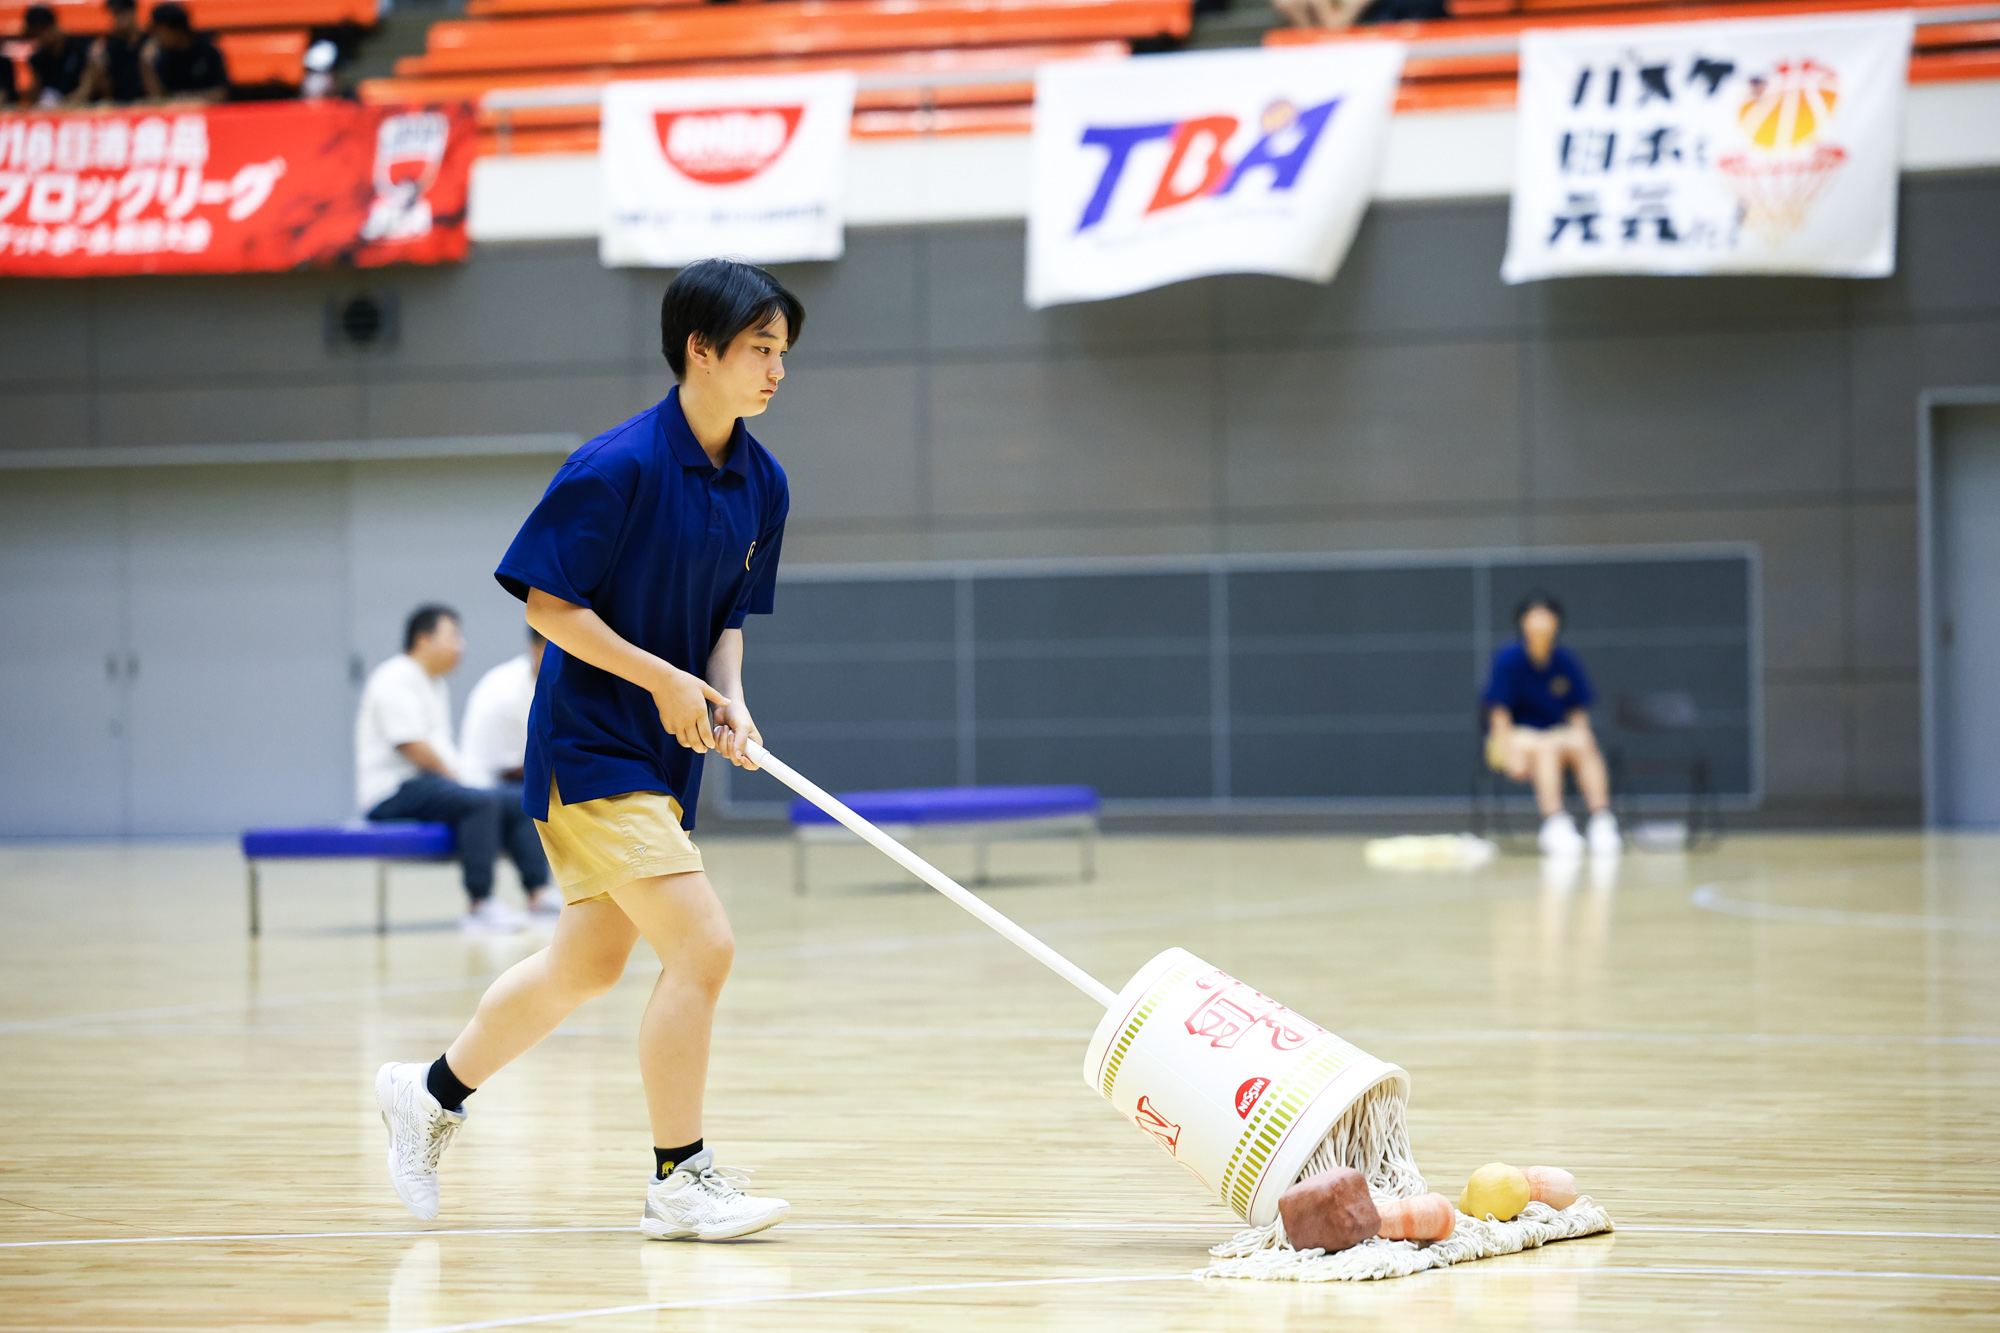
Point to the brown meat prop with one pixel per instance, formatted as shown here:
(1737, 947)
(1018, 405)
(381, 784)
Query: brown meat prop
(1551, 1185)
(1329, 1211)
(1426, 1217)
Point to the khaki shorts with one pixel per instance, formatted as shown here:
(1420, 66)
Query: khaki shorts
(1524, 743)
(597, 846)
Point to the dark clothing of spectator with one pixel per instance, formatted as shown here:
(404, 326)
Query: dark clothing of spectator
(60, 70)
(1538, 696)
(121, 67)
(1401, 11)
(483, 821)
(194, 68)
(7, 93)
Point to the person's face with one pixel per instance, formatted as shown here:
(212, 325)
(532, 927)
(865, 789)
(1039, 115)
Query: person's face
(1538, 631)
(439, 651)
(748, 373)
(125, 22)
(46, 39)
(171, 39)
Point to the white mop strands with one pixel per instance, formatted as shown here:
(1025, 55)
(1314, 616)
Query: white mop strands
(1371, 1135)
(1373, 1138)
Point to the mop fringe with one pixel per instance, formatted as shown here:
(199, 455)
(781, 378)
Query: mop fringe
(1373, 1137)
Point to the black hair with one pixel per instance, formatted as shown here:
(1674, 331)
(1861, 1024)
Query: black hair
(121, 6)
(1544, 601)
(423, 620)
(716, 299)
(37, 17)
(175, 19)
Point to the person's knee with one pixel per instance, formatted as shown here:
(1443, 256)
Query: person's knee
(707, 955)
(589, 973)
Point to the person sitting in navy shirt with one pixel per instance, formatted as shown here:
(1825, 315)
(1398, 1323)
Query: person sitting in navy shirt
(649, 548)
(1538, 724)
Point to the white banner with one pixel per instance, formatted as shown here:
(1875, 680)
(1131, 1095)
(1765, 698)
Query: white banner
(748, 168)
(1161, 168)
(1751, 146)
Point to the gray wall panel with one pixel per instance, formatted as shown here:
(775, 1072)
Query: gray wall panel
(848, 436)
(247, 414)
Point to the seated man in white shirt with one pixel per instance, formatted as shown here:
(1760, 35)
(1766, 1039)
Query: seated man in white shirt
(495, 732)
(406, 767)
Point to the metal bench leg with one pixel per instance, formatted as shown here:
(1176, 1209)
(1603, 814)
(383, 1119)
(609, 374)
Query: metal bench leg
(798, 866)
(381, 897)
(256, 917)
(979, 862)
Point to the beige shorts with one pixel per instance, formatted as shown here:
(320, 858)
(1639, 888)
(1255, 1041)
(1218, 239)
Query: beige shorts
(597, 846)
(1524, 743)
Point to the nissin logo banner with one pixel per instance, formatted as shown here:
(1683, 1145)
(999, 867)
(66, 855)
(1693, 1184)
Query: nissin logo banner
(1157, 169)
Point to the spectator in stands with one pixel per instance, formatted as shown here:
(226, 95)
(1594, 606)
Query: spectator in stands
(495, 738)
(1359, 13)
(57, 63)
(114, 74)
(7, 93)
(406, 767)
(179, 64)
(1538, 718)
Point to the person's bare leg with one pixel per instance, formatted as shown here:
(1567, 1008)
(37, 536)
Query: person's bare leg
(1591, 777)
(683, 920)
(586, 958)
(1548, 779)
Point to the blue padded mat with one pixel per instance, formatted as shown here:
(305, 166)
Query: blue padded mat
(955, 805)
(356, 838)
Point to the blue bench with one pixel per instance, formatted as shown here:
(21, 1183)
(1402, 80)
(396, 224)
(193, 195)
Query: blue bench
(956, 814)
(358, 838)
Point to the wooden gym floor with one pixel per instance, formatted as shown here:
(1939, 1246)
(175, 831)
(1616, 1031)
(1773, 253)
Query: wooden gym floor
(1777, 1064)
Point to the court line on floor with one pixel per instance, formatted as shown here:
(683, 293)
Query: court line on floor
(1709, 899)
(523, 1321)
(1214, 1227)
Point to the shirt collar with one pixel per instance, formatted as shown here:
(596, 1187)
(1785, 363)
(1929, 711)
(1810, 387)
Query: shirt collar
(687, 449)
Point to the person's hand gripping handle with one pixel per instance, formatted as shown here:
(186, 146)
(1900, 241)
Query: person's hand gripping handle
(683, 700)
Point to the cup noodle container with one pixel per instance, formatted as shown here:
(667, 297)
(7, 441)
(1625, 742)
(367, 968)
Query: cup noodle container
(1230, 1083)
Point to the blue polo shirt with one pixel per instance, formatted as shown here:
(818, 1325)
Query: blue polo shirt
(670, 550)
(1542, 696)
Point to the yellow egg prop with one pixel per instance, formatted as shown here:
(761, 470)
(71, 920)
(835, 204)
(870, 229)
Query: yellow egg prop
(1495, 1189)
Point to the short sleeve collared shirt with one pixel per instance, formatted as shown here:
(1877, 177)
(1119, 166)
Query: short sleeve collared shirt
(670, 550)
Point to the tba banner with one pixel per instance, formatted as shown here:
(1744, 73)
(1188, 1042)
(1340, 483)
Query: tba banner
(749, 168)
(1162, 168)
(232, 189)
(1751, 146)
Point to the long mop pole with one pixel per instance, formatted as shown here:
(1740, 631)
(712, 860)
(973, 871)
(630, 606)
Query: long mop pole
(932, 876)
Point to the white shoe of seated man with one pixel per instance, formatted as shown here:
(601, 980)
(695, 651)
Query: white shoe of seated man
(702, 1201)
(419, 1132)
(1603, 835)
(1559, 836)
(490, 916)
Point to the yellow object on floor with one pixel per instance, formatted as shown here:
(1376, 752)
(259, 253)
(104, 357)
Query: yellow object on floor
(1496, 1190)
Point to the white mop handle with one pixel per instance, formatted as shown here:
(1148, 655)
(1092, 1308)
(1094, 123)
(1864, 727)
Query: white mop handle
(932, 876)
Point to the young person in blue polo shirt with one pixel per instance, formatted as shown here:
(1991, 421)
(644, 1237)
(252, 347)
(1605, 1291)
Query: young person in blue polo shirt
(1538, 700)
(649, 548)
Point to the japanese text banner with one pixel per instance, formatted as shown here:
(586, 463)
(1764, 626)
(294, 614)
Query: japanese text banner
(232, 189)
(1747, 146)
(1161, 168)
(751, 168)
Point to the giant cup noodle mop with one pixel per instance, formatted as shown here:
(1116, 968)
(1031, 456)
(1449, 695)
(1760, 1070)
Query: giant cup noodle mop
(1244, 1093)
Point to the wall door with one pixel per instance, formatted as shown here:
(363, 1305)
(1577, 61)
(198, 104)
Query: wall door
(1965, 509)
(63, 657)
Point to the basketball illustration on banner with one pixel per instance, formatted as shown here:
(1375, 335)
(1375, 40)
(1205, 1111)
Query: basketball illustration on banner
(1786, 167)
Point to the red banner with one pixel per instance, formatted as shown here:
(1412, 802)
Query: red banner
(233, 189)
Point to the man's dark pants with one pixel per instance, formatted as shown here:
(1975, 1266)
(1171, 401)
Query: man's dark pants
(483, 821)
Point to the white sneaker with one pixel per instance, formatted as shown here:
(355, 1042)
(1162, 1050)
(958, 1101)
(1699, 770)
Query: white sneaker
(492, 917)
(1559, 836)
(419, 1129)
(1603, 836)
(546, 904)
(706, 1202)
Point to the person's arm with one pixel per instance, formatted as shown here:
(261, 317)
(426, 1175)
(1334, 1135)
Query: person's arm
(149, 71)
(734, 727)
(423, 756)
(681, 697)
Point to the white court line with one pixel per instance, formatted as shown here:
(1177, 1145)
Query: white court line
(920, 1288)
(1216, 1226)
(833, 1295)
(1709, 899)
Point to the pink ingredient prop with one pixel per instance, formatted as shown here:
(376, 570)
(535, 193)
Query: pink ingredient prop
(1426, 1217)
(1551, 1185)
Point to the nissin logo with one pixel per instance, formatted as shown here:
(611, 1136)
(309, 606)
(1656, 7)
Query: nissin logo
(1288, 141)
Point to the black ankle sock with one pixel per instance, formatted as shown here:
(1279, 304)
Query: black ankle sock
(444, 1086)
(666, 1159)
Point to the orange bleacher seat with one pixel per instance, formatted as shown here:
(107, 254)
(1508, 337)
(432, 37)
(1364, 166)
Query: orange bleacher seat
(782, 27)
(265, 57)
(87, 17)
(917, 66)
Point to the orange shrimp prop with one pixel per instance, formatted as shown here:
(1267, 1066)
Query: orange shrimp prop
(1426, 1217)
